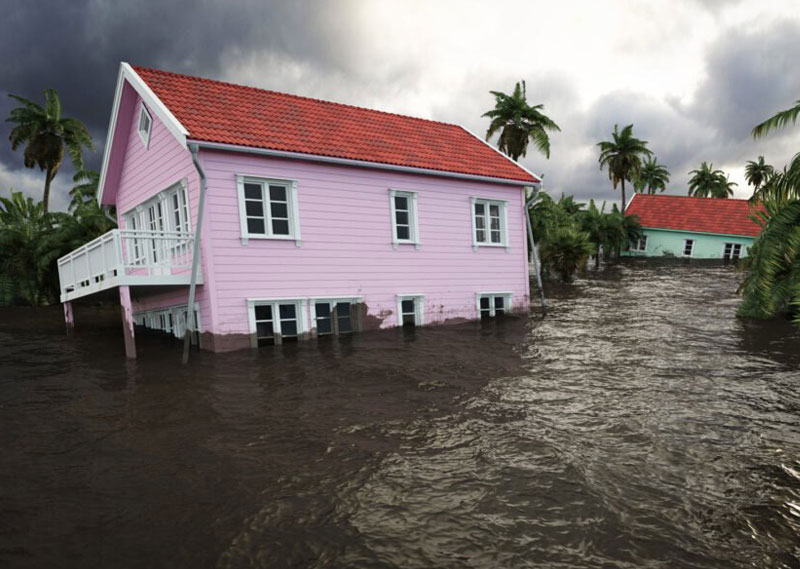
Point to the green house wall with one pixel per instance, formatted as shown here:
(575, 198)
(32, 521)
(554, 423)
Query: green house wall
(664, 242)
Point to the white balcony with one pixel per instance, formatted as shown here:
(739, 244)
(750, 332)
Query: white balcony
(124, 257)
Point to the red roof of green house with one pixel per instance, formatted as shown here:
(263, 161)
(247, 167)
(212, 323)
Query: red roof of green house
(225, 113)
(699, 215)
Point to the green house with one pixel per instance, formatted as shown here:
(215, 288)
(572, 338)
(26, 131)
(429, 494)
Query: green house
(700, 228)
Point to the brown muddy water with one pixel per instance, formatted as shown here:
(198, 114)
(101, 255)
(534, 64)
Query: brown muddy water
(638, 425)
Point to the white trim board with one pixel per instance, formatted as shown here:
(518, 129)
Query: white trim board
(154, 106)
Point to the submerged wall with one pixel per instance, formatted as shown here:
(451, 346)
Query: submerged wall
(706, 246)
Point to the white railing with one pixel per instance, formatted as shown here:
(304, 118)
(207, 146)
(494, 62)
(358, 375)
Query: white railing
(124, 257)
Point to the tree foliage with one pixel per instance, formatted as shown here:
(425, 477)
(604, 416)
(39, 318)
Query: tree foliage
(519, 123)
(46, 134)
(706, 182)
(622, 155)
(757, 172)
(653, 177)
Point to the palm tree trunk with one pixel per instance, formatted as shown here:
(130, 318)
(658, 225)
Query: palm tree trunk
(622, 209)
(46, 197)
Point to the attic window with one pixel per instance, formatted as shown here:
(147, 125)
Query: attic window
(145, 122)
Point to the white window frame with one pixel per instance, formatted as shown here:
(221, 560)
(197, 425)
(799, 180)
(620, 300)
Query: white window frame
(151, 318)
(301, 310)
(413, 218)
(333, 300)
(732, 244)
(145, 134)
(419, 308)
(138, 213)
(638, 244)
(691, 250)
(503, 223)
(507, 298)
(292, 207)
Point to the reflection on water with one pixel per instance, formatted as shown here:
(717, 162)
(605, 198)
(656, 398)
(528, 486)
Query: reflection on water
(639, 425)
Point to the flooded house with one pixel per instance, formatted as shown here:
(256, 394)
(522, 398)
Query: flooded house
(684, 226)
(303, 217)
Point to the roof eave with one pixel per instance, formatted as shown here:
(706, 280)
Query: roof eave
(154, 104)
(359, 163)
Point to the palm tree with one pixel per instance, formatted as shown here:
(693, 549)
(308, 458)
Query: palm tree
(565, 250)
(653, 177)
(779, 120)
(757, 172)
(85, 190)
(519, 123)
(623, 157)
(46, 134)
(706, 182)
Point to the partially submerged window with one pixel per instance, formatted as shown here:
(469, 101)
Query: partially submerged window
(268, 209)
(732, 251)
(334, 316)
(404, 217)
(410, 310)
(171, 320)
(688, 247)
(276, 321)
(145, 124)
(489, 223)
(640, 244)
(491, 305)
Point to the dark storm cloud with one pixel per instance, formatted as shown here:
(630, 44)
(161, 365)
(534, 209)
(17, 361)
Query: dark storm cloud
(76, 46)
(750, 76)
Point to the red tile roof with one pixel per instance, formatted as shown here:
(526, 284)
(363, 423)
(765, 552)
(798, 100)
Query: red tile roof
(233, 114)
(700, 215)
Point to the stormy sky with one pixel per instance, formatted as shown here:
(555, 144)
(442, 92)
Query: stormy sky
(692, 76)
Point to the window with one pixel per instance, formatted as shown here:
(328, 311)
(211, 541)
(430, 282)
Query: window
(404, 217)
(732, 251)
(276, 321)
(492, 304)
(145, 123)
(489, 223)
(410, 310)
(166, 213)
(171, 320)
(640, 244)
(268, 209)
(688, 246)
(334, 315)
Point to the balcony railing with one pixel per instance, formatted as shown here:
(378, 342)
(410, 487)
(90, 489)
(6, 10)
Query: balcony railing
(127, 257)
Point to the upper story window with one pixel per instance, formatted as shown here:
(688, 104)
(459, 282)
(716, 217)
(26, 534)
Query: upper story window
(489, 223)
(405, 227)
(688, 247)
(166, 215)
(268, 209)
(145, 124)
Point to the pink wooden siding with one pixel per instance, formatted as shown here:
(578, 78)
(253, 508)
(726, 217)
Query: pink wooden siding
(346, 230)
(146, 172)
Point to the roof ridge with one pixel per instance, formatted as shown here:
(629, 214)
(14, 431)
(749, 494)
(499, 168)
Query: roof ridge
(689, 197)
(138, 68)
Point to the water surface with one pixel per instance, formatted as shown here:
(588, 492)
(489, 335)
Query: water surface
(638, 425)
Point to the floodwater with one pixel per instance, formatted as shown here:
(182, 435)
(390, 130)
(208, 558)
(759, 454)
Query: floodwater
(638, 425)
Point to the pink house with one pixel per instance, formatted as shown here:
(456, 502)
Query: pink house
(306, 218)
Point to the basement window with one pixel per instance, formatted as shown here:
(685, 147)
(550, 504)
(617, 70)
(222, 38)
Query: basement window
(334, 316)
(732, 251)
(145, 124)
(276, 321)
(640, 244)
(410, 310)
(491, 305)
